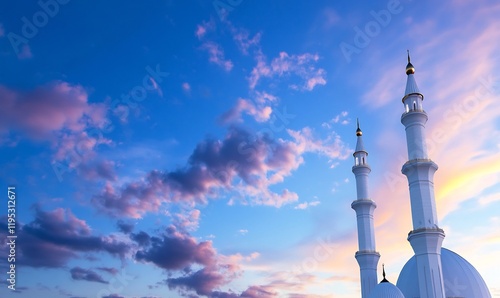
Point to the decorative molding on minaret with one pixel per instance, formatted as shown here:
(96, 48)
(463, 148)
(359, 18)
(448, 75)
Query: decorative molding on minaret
(426, 237)
(366, 256)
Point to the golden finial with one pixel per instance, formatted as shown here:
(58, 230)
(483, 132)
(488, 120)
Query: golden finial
(409, 67)
(358, 131)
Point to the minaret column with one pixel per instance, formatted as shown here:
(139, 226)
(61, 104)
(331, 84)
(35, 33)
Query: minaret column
(366, 255)
(426, 237)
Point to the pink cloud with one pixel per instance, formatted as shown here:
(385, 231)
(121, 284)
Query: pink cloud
(260, 113)
(48, 109)
(216, 55)
(332, 147)
(54, 237)
(203, 28)
(186, 87)
(252, 163)
(61, 114)
(187, 220)
(259, 71)
(242, 165)
(244, 42)
(156, 86)
(339, 118)
(301, 66)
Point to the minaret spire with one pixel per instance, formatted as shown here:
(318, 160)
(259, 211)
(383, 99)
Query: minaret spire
(383, 274)
(426, 237)
(366, 255)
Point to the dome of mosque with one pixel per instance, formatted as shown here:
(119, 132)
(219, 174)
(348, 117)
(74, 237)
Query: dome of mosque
(386, 290)
(460, 278)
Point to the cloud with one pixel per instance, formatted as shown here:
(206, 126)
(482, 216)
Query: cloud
(187, 221)
(78, 273)
(186, 87)
(203, 281)
(285, 65)
(54, 237)
(216, 55)
(48, 109)
(113, 296)
(59, 113)
(112, 271)
(175, 251)
(260, 113)
(203, 28)
(306, 205)
(241, 158)
(332, 147)
(243, 231)
(242, 38)
(98, 169)
(124, 227)
(339, 118)
(156, 86)
(251, 292)
(259, 108)
(242, 165)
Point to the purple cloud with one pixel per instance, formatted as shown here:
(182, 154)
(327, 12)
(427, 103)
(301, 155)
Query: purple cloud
(113, 296)
(202, 281)
(261, 113)
(112, 271)
(124, 227)
(78, 273)
(48, 109)
(176, 251)
(216, 55)
(54, 237)
(251, 292)
(213, 167)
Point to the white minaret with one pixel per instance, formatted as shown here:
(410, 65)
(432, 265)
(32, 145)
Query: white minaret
(366, 256)
(426, 237)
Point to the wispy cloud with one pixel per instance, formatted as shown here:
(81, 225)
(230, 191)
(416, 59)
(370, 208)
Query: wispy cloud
(216, 55)
(260, 113)
(204, 27)
(284, 65)
(306, 205)
(186, 87)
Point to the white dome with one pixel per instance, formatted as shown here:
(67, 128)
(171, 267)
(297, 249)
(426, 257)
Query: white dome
(461, 279)
(386, 290)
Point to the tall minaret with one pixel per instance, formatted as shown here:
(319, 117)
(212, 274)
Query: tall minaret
(366, 256)
(426, 237)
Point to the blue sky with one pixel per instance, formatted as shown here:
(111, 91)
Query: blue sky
(203, 149)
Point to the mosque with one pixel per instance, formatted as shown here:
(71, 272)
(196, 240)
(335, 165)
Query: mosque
(434, 271)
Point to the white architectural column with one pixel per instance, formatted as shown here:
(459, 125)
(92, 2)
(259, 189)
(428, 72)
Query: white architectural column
(366, 255)
(426, 238)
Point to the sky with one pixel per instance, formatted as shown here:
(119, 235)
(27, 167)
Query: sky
(204, 148)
